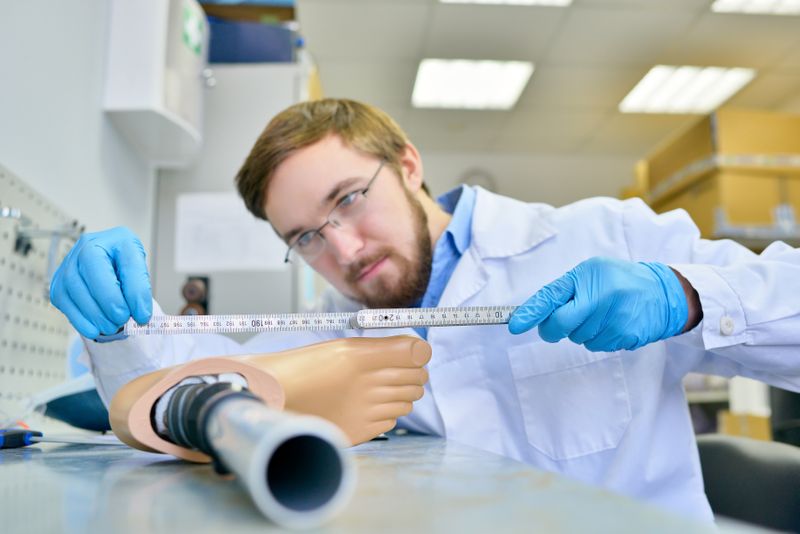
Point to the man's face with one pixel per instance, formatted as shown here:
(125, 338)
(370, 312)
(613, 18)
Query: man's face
(382, 259)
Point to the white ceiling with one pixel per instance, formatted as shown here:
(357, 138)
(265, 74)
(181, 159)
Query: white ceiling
(587, 56)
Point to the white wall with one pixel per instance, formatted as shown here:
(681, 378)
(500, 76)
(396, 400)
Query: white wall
(53, 133)
(236, 111)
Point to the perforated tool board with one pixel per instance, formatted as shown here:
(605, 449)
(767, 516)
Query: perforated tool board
(33, 335)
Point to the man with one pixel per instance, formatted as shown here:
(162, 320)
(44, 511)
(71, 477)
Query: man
(596, 395)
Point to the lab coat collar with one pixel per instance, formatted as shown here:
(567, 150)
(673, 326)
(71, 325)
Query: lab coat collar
(460, 203)
(503, 226)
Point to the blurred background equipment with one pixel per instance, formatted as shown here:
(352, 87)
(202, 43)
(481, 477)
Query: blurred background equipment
(195, 291)
(785, 415)
(751, 480)
(252, 32)
(27, 231)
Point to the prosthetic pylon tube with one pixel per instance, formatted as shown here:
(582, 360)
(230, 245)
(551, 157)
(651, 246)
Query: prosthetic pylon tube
(131, 409)
(293, 466)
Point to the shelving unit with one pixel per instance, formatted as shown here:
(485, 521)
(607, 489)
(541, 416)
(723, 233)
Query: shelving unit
(156, 78)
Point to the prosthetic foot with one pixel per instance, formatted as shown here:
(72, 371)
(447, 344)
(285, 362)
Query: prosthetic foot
(362, 385)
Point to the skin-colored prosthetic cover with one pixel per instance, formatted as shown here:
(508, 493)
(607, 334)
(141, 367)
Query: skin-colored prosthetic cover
(360, 384)
(131, 408)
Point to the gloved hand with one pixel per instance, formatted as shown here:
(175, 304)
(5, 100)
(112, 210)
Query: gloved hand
(607, 305)
(103, 282)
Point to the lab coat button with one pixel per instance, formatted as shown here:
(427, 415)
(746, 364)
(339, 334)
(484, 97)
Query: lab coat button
(726, 326)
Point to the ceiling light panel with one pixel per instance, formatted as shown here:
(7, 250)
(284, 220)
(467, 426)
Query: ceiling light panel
(469, 84)
(553, 3)
(670, 89)
(757, 7)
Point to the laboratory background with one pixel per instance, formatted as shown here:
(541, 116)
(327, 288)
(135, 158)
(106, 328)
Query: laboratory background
(139, 113)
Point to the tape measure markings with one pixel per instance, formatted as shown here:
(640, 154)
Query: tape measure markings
(422, 317)
(364, 319)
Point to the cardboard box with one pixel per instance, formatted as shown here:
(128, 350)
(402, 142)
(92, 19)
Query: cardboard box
(745, 425)
(747, 198)
(728, 138)
(641, 183)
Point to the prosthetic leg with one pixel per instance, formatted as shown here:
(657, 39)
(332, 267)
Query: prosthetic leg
(362, 385)
(293, 466)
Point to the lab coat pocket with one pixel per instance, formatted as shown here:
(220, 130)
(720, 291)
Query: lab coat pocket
(574, 402)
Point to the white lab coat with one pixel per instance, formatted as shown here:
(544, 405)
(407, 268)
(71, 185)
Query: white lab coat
(618, 419)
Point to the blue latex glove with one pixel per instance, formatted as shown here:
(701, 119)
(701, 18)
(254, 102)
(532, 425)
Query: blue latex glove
(607, 305)
(103, 282)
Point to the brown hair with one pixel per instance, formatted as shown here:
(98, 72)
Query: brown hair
(360, 126)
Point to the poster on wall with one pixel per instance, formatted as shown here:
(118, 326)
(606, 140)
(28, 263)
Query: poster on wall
(215, 232)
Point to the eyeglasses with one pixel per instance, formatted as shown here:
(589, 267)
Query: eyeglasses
(348, 209)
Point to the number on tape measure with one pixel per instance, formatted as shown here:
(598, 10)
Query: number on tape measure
(364, 319)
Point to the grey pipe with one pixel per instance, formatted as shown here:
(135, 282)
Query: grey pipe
(293, 466)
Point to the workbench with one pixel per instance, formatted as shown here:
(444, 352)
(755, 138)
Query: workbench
(405, 484)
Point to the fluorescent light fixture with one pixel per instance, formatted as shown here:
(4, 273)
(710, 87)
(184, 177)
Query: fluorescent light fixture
(668, 89)
(469, 84)
(757, 7)
(554, 3)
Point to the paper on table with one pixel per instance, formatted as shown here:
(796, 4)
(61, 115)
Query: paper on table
(215, 232)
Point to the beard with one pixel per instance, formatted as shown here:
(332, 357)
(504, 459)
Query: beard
(415, 272)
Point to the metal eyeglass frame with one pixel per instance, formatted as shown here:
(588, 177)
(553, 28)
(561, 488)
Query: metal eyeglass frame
(335, 222)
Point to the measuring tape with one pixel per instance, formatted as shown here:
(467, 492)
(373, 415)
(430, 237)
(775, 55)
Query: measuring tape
(274, 322)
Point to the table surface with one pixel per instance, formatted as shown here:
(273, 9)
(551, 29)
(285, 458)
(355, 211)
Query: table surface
(405, 484)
